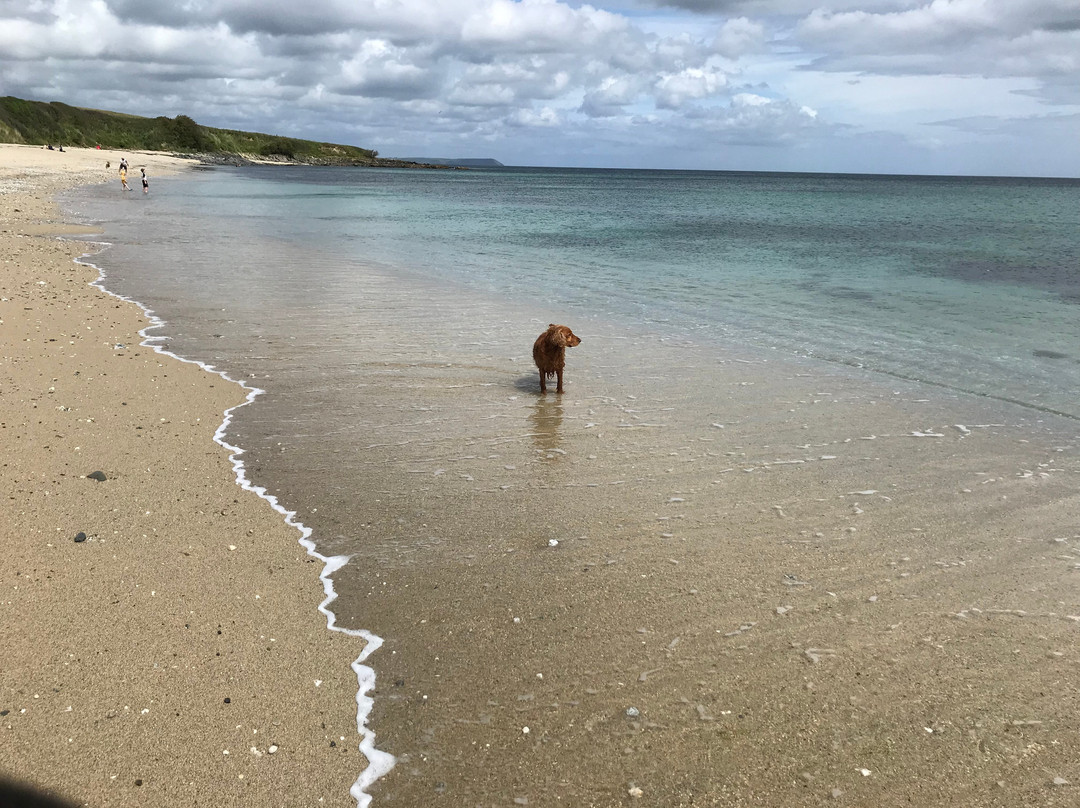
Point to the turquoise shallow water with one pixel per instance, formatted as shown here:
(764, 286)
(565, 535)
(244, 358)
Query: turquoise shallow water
(971, 284)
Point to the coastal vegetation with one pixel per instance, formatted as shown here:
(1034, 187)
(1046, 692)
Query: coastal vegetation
(54, 123)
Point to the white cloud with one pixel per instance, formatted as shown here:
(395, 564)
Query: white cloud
(538, 25)
(739, 36)
(545, 117)
(753, 119)
(532, 78)
(1039, 38)
(612, 96)
(674, 90)
(381, 70)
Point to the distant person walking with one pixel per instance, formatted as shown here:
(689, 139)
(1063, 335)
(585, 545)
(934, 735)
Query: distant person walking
(123, 164)
(123, 178)
(145, 182)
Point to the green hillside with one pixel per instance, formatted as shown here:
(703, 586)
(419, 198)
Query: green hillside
(40, 123)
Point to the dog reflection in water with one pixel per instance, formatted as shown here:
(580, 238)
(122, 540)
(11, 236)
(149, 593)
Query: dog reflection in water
(549, 353)
(545, 422)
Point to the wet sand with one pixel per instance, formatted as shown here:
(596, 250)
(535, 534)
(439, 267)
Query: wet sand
(693, 579)
(176, 656)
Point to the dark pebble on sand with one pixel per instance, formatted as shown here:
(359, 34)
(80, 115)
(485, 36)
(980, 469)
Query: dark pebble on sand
(228, 700)
(96, 475)
(80, 536)
(399, 683)
(138, 782)
(333, 743)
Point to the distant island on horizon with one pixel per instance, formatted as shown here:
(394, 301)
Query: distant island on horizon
(456, 162)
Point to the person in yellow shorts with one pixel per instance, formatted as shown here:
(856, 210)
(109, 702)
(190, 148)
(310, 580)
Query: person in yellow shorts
(123, 178)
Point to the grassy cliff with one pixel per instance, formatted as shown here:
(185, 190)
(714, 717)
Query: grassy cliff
(40, 123)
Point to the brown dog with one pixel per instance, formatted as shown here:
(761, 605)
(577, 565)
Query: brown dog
(549, 353)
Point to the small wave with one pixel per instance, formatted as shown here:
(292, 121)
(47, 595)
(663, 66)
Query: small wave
(379, 762)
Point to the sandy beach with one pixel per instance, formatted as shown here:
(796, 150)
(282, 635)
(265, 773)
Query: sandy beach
(783, 583)
(176, 655)
(826, 589)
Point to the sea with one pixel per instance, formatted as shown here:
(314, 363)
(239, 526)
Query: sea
(387, 317)
(971, 284)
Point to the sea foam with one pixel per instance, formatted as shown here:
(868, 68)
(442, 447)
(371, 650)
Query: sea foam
(379, 762)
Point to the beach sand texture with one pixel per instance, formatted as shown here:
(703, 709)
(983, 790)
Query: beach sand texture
(827, 589)
(177, 655)
(821, 573)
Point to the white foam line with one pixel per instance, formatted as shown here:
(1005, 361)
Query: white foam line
(379, 762)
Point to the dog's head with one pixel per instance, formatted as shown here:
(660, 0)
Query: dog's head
(562, 336)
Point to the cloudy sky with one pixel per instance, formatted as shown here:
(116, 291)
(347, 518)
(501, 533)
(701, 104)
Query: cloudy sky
(948, 86)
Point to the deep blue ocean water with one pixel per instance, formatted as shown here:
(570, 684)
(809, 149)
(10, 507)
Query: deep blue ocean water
(968, 283)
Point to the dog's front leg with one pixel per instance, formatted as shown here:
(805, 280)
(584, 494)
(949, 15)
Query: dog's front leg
(543, 384)
(559, 374)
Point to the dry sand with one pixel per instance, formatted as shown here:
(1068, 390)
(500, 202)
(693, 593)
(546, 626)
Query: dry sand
(176, 657)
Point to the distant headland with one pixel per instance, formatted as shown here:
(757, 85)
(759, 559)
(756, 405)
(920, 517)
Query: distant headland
(40, 123)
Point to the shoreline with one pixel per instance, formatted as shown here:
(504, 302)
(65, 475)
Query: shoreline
(775, 584)
(379, 763)
(819, 571)
(133, 676)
